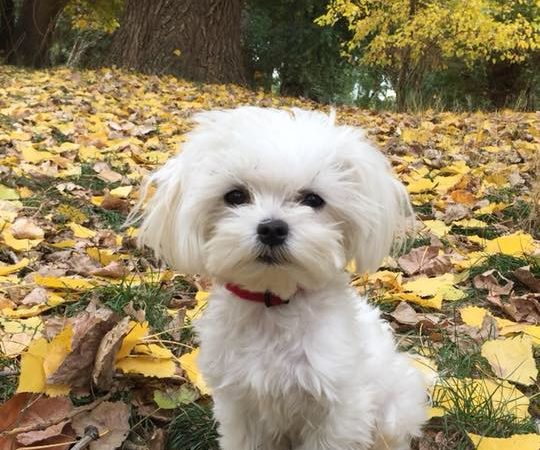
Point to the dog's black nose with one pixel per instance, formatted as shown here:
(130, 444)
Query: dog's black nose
(273, 232)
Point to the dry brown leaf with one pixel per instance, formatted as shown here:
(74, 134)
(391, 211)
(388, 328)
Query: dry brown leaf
(158, 440)
(425, 260)
(524, 308)
(174, 327)
(110, 176)
(404, 313)
(54, 325)
(24, 228)
(138, 314)
(524, 275)
(489, 282)
(30, 410)
(102, 374)
(32, 437)
(456, 212)
(89, 327)
(111, 419)
(13, 344)
(82, 264)
(487, 331)
(114, 203)
(115, 269)
(416, 259)
(463, 196)
(37, 296)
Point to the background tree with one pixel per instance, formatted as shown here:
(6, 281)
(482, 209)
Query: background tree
(289, 51)
(29, 37)
(408, 39)
(195, 39)
(7, 26)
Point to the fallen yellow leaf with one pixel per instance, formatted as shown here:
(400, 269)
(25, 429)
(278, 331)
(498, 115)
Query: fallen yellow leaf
(470, 223)
(497, 394)
(515, 244)
(512, 359)
(420, 185)
(152, 351)
(188, 362)
(24, 311)
(490, 209)
(195, 312)
(515, 442)
(34, 156)
(104, 256)
(437, 227)
(441, 285)
(19, 244)
(121, 191)
(40, 360)
(444, 184)
(80, 231)
(65, 282)
(67, 243)
(430, 302)
(6, 270)
(136, 333)
(147, 366)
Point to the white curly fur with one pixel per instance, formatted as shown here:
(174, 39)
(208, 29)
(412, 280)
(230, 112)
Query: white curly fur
(322, 372)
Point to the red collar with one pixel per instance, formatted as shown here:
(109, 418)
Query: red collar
(266, 297)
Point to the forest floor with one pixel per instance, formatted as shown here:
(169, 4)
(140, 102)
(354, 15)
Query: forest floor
(93, 332)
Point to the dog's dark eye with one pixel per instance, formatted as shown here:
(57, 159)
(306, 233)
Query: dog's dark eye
(236, 197)
(313, 200)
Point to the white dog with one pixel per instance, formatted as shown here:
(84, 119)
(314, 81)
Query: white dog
(272, 205)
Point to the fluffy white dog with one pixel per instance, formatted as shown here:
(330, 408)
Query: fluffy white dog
(272, 205)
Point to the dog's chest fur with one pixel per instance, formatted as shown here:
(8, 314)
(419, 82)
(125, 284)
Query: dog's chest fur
(295, 360)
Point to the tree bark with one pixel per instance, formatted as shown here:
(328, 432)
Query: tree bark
(195, 39)
(34, 32)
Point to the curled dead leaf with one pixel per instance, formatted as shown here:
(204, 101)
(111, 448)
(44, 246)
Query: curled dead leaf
(103, 371)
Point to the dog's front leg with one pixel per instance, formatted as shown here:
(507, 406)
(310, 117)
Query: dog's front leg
(236, 428)
(238, 425)
(343, 428)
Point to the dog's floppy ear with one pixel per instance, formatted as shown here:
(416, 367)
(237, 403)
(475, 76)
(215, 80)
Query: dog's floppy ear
(167, 226)
(378, 207)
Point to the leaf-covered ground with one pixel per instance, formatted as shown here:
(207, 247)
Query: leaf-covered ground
(94, 332)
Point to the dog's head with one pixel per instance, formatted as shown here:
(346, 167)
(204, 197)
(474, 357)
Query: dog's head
(271, 199)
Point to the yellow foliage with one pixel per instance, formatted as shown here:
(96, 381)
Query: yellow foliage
(401, 34)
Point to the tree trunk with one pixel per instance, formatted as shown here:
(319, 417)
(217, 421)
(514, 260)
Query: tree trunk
(194, 39)
(34, 32)
(504, 80)
(7, 26)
